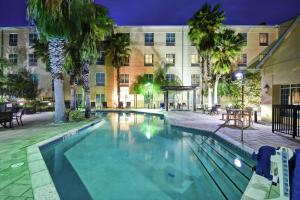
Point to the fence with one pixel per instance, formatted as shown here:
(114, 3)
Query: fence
(286, 119)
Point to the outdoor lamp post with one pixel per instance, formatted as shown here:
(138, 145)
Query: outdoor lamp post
(239, 75)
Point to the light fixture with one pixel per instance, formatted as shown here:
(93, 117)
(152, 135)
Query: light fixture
(237, 162)
(239, 75)
(21, 104)
(49, 104)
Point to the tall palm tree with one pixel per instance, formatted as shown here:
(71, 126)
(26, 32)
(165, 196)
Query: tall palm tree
(204, 25)
(57, 20)
(117, 50)
(95, 25)
(228, 47)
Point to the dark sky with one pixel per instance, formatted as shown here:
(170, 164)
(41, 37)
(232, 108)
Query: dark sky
(172, 12)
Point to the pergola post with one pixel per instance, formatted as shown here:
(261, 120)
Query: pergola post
(188, 99)
(194, 100)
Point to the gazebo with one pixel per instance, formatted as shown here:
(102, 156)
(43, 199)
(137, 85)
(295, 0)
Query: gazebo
(166, 90)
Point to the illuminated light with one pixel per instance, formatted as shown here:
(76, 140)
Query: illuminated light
(21, 104)
(237, 162)
(49, 104)
(239, 75)
(166, 155)
(148, 133)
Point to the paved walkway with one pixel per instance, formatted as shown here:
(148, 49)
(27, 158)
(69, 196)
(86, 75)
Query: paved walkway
(15, 183)
(254, 137)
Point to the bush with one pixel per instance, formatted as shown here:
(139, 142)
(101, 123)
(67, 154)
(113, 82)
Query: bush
(76, 116)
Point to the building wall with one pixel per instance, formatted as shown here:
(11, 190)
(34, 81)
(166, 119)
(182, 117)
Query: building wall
(282, 68)
(183, 51)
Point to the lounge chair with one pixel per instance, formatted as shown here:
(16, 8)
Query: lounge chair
(104, 104)
(18, 116)
(120, 105)
(6, 117)
(128, 104)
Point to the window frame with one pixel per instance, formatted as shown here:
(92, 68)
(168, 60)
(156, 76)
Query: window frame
(260, 39)
(150, 80)
(145, 59)
(170, 79)
(124, 79)
(101, 59)
(150, 37)
(242, 58)
(13, 41)
(196, 77)
(32, 40)
(15, 59)
(170, 39)
(32, 60)
(173, 58)
(102, 77)
(196, 64)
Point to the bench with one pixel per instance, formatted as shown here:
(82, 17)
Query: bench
(6, 117)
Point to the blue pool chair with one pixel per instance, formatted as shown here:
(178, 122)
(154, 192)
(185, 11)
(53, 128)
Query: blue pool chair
(296, 179)
(263, 158)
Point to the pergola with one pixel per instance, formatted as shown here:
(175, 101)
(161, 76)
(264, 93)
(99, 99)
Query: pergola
(166, 90)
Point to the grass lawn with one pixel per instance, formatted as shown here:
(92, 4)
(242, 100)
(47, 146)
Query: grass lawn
(15, 181)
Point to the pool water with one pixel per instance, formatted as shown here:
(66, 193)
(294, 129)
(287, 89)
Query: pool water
(133, 156)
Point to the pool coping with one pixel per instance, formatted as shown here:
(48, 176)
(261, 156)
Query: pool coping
(42, 184)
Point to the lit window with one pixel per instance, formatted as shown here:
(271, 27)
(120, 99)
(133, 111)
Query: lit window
(32, 60)
(148, 60)
(290, 94)
(13, 58)
(170, 39)
(101, 58)
(170, 58)
(195, 79)
(244, 37)
(100, 98)
(263, 39)
(149, 39)
(127, 61)
(124, 78)
(13, 39)
(242, 60)
(195, 60)
(33, 37)
(100, 78)
(149, 77)
(170, 77)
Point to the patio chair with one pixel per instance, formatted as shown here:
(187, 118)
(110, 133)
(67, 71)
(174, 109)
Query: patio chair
(18, 116)
(215, 109)
(171, 105)
(120, 105)
(104, 104)
(6, 117)
(184, 105)
(128, 104)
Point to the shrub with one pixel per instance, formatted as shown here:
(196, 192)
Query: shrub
(76, 116)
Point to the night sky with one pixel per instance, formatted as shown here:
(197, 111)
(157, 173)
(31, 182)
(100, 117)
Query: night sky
(172, 12)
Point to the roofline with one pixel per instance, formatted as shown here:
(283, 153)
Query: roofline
(279, 42)
(16, 27)
(186, 26)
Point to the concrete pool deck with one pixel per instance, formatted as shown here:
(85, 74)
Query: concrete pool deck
(15, 177)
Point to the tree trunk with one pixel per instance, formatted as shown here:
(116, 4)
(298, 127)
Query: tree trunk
(210, 89)
(216, 89)
(72, 92)
(56, 54)
(118, 86)
(202, 80)
(85, 75)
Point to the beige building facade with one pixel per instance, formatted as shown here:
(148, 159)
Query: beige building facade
(152, 46)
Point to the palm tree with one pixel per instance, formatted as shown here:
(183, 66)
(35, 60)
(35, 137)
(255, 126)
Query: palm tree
(117, 50)
(204, 25)
(94, 27)
(57, 20)
(228, 47)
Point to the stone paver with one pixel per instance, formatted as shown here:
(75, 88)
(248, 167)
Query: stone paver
(254, 137)
(15, 181)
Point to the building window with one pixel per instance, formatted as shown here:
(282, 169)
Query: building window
(101, 59)
(32, 59)
(290, 94)
(244, 37)
(242, 60)
(195, 60)
(170, 39)
(13, 58)
(170, 77)
(149, 78)
(149, 39)
(148, 60)
(127, 61)
(100, 78)
(170, 58)
(195, 79)
(33, 37)
(263, 39)
(100, 98)
(13, 39)
(124, 78)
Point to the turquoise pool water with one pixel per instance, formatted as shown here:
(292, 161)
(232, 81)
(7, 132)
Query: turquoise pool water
(133, 156)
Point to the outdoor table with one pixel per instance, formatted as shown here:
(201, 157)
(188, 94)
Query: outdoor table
(239, 116)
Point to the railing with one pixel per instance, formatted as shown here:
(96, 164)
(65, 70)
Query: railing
(286, 119)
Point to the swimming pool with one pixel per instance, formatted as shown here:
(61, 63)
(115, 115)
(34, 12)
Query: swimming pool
(133, 156)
